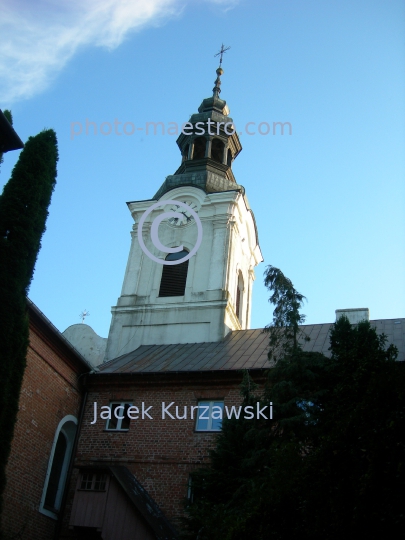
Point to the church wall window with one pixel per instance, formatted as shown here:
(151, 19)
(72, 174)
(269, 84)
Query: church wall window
(209, 417)
(217, 150)
(199, 148)
(174, 277)
(119, 417)
(58, 465)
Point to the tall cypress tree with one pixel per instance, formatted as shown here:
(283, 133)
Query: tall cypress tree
(23, 213)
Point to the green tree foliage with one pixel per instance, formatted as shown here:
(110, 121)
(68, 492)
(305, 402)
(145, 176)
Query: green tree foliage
(357, 471)
(285, 330)
(23, 213)
(253, 476)
(330, 463)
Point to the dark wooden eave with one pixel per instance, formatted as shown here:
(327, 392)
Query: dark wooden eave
(9, 140)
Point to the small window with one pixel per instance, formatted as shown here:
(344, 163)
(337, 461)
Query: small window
(119, 420)
(93, 481)
(174, 277)
(209, 416)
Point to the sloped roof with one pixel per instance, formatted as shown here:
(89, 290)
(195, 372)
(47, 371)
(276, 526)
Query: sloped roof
(241, 349)
(144, 503)
(41, 321)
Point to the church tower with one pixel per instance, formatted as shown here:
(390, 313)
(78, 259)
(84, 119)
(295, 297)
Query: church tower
(200, 216)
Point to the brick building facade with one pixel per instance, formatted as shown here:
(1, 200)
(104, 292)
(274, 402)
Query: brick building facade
(50, 399)
(160, 452)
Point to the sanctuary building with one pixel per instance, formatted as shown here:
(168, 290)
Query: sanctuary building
(141, 409)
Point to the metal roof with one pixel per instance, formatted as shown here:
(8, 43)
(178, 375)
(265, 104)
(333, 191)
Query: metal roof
(241, 349)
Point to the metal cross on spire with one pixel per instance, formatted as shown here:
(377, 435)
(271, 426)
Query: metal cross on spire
(217, 88)
(221, 53)
(84, 314)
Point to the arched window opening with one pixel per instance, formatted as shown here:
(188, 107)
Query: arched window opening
(239, 297)
(217, 150)
(58, 466)
(229, 158)
(174, 276)
(54, 477)
(185, 152)
(199, 148)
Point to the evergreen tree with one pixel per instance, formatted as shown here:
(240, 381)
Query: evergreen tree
(331, 463)
(253, 484)
(284, 331)
(23, 213)
(357, 470)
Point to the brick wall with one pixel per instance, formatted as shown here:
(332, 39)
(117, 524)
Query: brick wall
(49, 393)
(160, 453)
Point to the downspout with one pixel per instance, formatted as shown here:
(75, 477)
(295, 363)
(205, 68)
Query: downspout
(71, 464)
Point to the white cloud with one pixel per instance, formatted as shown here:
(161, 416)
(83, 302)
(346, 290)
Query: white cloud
(39, 38)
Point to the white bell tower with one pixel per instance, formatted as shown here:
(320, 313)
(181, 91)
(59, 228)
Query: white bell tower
(208, 295)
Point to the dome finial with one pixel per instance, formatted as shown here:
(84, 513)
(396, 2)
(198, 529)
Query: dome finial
(217, 88)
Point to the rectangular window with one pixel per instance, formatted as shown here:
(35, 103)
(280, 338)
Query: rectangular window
(119, 420)
(93, 481)
(209, 416)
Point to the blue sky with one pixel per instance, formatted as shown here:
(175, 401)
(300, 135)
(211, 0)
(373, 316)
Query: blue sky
(329, 200)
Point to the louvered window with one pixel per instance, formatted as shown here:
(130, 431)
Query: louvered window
(174, 276)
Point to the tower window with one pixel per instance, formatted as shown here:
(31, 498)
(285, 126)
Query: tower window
(239, 297)
(217, 150)
(199, 148)
(229, 158)
(174, 276)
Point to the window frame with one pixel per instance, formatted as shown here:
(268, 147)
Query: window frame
(119, 420)
(94, 475)
(212, 403)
